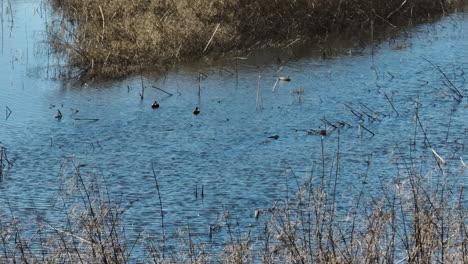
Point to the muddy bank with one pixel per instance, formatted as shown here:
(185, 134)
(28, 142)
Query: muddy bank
(114, 38)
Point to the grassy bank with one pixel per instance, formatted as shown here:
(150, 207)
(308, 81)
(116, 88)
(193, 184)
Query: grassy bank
(112, 38)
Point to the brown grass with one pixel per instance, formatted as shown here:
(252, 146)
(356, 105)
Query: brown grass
(411, 220)
(112, 38)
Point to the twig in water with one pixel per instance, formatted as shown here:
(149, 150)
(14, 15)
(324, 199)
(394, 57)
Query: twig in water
(449, 124)
(4, 162)
(452, 87)
(355, 112)
(390, 102)
(328, 123)
(142, 94)
(191, 247)
(7, 112)
(439, 157)
(274, 86)
(370, 117)
(237, 72)
(373, 134)
(199, 88)
(374, 112)
(160, 207)
(463, 163)
(257, 101)
(86, 119)
(157, 88)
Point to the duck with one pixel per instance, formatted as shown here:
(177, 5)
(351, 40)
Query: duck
(196, 111)
(155, 105)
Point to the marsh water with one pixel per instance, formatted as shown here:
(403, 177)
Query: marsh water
(254, 137)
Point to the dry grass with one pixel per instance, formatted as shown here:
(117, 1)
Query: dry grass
(409, 221)
(412, 223)
(113, 38)
(92, 231)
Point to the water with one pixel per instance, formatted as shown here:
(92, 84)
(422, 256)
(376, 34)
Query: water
(227, 148)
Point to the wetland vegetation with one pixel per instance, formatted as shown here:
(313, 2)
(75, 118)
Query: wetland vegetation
(420, 218)
(345, 161)
(113, 38)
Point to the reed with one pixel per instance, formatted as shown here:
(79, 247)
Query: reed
(114, 38)
(5, 163)
(420, 217)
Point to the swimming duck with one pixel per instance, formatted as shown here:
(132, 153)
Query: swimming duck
(155, 105)
(196, 111)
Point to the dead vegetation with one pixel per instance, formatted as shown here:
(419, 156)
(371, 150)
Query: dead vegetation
(113, 38)
(418, 217)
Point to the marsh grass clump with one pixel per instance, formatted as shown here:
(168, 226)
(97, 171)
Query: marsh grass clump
(92, 231)
(113, 38)
(411, 222)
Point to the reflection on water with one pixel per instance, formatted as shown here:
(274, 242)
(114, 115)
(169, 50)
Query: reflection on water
(230, 148)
